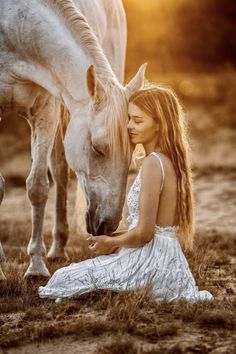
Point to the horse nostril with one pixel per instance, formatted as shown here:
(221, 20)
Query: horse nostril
(88, 223)
(101, 229)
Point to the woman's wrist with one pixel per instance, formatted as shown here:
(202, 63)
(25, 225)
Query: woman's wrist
(118, 233)
(129, 239)
(115, 241)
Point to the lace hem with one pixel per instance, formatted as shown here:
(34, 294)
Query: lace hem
(133, 222)
(166, 228)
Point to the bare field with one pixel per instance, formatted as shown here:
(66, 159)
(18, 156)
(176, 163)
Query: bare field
(111, 323)
(106, 322)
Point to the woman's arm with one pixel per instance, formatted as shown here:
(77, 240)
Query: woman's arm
(151, 179)
(121, 232)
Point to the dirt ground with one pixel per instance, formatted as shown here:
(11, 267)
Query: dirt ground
(105, 322)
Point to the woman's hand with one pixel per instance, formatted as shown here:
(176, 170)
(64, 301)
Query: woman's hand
(102, 245)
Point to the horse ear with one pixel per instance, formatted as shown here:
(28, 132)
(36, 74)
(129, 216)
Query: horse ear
(137, 82)
(95, 88)
(91, 81)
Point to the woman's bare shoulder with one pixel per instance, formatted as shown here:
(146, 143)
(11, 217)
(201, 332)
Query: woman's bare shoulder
(151, 168)
(151, 165)
(166, 160)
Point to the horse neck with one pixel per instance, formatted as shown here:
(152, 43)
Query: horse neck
(61, 50)
(84, 35)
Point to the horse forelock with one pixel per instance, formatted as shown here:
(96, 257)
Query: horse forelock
(117, 121)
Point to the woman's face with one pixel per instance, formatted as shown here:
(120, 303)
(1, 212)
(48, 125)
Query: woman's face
(141, 127)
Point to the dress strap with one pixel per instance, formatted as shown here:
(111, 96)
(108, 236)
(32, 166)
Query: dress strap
(162, 167)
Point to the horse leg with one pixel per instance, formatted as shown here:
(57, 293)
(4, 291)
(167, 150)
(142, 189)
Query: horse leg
(2, 256)
(59, 170)
(43, 130)
(2, 259)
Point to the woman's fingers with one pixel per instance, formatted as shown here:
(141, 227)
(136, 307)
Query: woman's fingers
(98, 245)
(93, 247)
(91, 240)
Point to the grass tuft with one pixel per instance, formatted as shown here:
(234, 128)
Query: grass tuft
(217, 319)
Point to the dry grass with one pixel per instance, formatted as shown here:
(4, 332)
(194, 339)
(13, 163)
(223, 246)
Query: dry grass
(120, 345)
(44, 329)
(100, 312)
(220, 319)
(132, 321)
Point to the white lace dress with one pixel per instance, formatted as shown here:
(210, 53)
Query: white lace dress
(159, 263)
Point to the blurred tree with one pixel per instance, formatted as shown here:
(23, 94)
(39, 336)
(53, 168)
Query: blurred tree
(182, 34)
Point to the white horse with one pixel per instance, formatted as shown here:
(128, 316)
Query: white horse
(50, 54)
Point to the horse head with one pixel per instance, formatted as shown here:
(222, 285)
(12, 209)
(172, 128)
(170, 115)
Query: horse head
(99, 151)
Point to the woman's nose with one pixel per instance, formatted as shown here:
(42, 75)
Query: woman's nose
(129, 124)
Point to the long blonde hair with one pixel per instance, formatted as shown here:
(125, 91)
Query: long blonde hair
(163, 105)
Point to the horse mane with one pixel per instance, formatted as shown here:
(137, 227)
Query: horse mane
(117, 121)
(84, 34)
(116, 110)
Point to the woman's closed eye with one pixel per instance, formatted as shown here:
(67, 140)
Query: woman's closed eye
(136, 120)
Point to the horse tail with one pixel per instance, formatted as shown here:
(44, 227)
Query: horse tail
(78, 218)
(2, 256)
(2, 187)
(64, 120)
(80, 209)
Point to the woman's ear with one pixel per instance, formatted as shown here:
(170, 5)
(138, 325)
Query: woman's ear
(157, 127)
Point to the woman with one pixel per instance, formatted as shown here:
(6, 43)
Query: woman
(161, 215)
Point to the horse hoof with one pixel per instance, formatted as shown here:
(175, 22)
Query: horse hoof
(37, 268)
(35, 280)
(35, 275)
(57, 256)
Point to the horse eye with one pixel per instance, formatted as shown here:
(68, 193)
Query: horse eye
(96, 151)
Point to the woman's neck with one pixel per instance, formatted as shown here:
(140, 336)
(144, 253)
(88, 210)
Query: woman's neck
(151, 147)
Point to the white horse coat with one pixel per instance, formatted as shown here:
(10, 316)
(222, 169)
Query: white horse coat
(50, 54)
